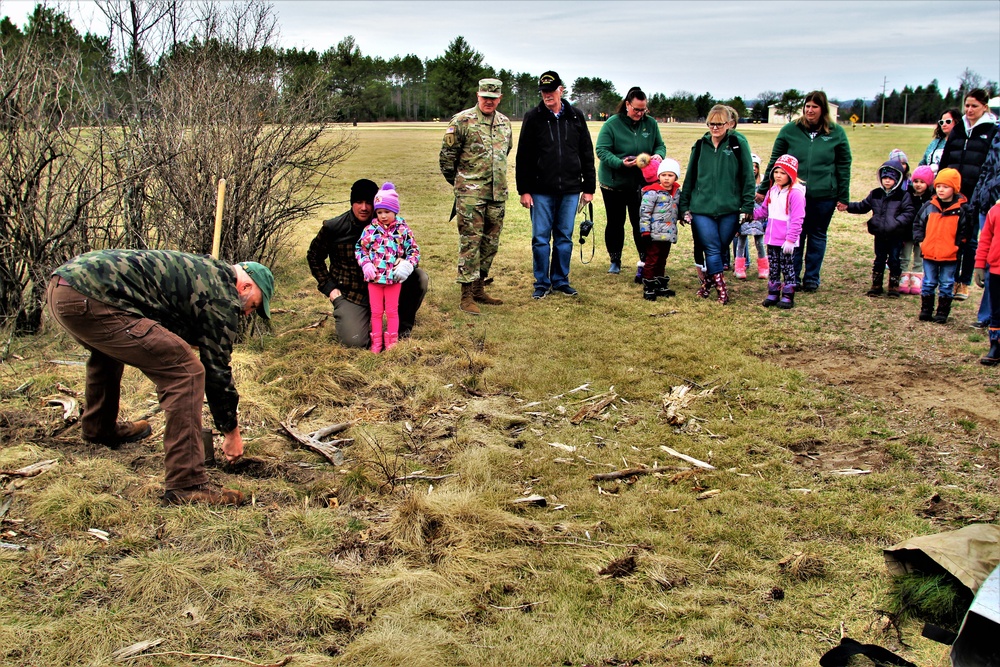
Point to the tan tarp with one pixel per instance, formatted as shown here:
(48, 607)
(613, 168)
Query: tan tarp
(970, 553)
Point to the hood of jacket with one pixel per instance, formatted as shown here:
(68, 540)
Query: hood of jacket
(897, 167)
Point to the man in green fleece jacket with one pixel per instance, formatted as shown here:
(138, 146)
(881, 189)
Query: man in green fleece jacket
(824, 155)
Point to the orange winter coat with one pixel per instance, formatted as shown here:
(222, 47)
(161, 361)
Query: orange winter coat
(942, 230)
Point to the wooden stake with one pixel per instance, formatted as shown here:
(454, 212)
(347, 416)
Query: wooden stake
(219, 205)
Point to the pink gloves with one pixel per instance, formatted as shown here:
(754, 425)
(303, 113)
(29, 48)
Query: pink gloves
(787, 248)
(369, 270)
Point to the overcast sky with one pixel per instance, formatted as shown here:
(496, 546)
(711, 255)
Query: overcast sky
(723, 47)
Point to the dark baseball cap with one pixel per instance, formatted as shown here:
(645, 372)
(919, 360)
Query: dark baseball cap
(261, 276)
(549, 81)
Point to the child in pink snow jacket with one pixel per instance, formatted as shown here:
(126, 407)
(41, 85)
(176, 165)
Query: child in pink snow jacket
(784, 206)
(387, 254)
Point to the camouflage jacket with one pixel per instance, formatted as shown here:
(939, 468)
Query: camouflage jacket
(192, 296)
(474, 154)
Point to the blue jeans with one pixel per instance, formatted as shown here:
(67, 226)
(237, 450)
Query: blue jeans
(715, 234)
(819, 212)
(984, 306)
(552, 218)
(940, 275)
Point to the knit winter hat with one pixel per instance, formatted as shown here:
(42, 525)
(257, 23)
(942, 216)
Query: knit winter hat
(896, 154)
(387, 198)
(649, 172)
(755, 159)
(363, 190)
(670, 165)
(788, 164)
(949, 177)
(923, 173)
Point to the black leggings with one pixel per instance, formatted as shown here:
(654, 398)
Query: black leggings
(616, 203)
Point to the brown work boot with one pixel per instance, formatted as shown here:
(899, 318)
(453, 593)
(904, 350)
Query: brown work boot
(124, 432)
(203, 493)
(468, 304)
(480, 295)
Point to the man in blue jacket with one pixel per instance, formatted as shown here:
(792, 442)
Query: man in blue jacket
(555, 170)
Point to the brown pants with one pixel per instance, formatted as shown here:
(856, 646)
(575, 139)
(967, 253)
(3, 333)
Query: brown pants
(116, 337)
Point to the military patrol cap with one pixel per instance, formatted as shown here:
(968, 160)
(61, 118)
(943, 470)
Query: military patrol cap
(490, 87)
(261, 277)
(549, 81)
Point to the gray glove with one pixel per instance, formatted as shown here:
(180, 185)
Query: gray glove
(403, 270)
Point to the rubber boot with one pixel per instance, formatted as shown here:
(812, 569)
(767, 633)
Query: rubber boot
(916, 283)
(706, 285)
(876, 289)
(787, 301)
(773, 292)
(893, 292)
(763, 268)
(943, 310)
(376, 338)
(926, 308)
(741, 268)
(468, 304)
(391, 340)
(904, 284)
(662, 288)
(616, 263)
(719, 280)
(480, 295)
(649, 289)
(638, 271)
(992, 357)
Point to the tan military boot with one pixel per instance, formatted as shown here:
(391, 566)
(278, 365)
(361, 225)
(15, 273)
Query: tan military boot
(480, 295)
(468, 304)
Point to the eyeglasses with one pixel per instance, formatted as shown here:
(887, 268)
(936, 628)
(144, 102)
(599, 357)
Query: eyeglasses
(945, 122)
(716, 126)
(636, 110)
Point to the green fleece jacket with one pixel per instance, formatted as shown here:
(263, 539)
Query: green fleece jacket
(717, 184)
(824, 161)
(620, 138)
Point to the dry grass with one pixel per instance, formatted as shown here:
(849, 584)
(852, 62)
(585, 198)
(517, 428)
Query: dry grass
(349, 565)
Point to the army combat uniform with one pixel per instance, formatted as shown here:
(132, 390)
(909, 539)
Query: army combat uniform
(146, 308)
(474, 159)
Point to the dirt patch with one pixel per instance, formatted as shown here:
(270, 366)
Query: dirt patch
(827, 456)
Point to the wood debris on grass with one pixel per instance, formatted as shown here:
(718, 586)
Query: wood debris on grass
(594, 409)
(620, 474)
(32, 470)
(329, 450)
(689, 459)
(679, 398)
(71, 411)
(620, 567)
(535, 499)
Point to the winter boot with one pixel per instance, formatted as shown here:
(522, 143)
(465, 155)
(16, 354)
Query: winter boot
(773, 292)
(876, 289)
(662, 288)
(763, 268)
(916, 283)
(741, 268)
(638, 271)
(943, 310)
(468, 304)
(926, 307)
(391, 340)
(787, 301)
(904, 284)
(376, 340)
(893, 292)
(616, 263)
(719, 279)
(480, 295)
(649, 289)
(992, 357)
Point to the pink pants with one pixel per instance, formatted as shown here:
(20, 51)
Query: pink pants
(384, 300)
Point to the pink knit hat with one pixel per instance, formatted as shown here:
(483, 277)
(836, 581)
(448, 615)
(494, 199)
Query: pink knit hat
(387, 198)
(649, 172)
(923, 173)
(788, 164)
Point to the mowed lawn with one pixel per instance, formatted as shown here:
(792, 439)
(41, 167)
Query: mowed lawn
(829, 429)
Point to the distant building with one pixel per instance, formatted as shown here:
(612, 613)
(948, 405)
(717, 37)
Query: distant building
(774, 117)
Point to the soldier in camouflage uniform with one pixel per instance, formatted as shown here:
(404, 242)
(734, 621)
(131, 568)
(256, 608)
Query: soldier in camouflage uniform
(147, 308)
(474, 159)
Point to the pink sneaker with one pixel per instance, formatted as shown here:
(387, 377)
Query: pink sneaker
(904, 284)
(916, 282)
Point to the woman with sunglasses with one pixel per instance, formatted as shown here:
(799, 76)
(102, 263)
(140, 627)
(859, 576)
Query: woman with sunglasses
(629, 132)
(966, 150)
(824, 155)
(932, 156)
(718, 186)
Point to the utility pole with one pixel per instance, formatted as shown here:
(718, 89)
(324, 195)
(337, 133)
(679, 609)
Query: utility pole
(884, 81)
(906, 98)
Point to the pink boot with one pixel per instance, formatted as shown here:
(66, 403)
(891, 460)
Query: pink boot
(390, 340)
(916, 282)
(376, 339)
(763, 268)
(741, 268)
(904, 284)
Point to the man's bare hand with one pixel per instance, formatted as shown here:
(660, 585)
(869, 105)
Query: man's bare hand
(232, 445)
(334, 294)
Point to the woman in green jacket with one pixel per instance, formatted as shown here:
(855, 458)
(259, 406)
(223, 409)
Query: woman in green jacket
(824, 155)
(718, 186)
(629, 132)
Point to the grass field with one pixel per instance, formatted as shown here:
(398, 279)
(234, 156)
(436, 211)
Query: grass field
(350, 565)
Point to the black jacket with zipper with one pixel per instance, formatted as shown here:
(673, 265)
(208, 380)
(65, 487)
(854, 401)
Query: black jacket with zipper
(555, 155)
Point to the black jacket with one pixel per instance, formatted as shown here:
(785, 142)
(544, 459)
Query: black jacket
(967, 153)
(555, 155)
(335, 244)
(892, 212)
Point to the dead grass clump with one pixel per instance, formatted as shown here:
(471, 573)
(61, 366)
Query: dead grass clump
(399, 584)
(803, 565)
(238, 534)
(161, 576)
(392, 642)
(487, 470)
(71, 503)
